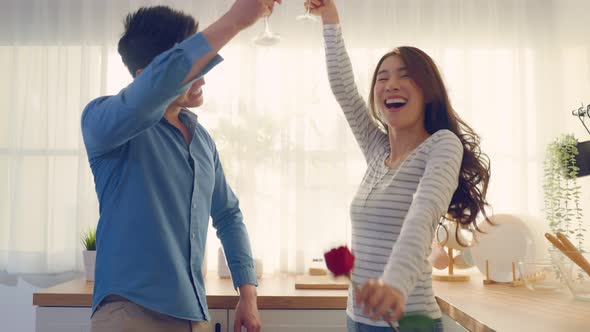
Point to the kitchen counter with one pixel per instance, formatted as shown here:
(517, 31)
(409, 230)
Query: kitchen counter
(475, 306)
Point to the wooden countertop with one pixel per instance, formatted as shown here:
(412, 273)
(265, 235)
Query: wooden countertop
(274, 292)
(475, 306)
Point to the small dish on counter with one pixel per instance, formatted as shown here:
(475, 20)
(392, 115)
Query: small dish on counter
(541, 275)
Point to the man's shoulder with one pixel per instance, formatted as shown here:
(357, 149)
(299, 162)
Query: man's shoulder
(94, 103)
(97, 101)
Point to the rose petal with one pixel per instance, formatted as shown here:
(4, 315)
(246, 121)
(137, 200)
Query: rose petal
(339, 261)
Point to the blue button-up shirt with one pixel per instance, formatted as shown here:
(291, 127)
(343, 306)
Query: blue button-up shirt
(156, 193)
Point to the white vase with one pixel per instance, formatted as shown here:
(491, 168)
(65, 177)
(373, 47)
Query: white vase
(204, 265)
(258, 267)
(89, 258)
(222, 268)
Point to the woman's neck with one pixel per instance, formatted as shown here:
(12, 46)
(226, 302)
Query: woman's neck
(402, 142)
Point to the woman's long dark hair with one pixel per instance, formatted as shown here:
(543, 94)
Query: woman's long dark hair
(470, 197)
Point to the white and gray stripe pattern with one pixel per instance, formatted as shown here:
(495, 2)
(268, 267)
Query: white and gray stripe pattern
(395, 211)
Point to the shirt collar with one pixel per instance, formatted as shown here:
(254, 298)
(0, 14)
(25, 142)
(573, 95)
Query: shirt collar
(188, 118)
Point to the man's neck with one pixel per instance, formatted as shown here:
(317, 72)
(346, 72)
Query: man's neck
(172, 113)
(172, 116)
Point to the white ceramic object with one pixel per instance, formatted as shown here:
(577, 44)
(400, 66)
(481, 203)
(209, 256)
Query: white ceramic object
(258, 267)
(222, 268)
(204, 265)
(510, 241)
(89, 259)
(463, 260)
(438, 257)
(449, 229)
(538, 226)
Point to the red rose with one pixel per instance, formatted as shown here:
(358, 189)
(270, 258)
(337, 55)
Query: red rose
(340, 261)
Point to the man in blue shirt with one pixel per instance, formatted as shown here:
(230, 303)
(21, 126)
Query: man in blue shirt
(158, 178)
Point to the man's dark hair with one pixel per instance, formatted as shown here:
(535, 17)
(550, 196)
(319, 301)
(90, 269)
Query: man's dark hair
(150, 31)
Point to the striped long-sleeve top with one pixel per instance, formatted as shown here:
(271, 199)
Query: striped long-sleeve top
(395, 211)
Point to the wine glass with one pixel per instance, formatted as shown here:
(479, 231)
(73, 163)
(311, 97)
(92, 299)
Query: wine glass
(307, 17)
(267, 37)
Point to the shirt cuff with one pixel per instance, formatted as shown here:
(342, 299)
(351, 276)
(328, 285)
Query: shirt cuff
(332, 33)
(196, 47)
(331, 27)
(331, 30)
(244, 276)
(389, 277)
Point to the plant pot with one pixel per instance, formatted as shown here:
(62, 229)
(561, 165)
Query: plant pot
(204, 265)
(222, 268)
(89, 258)
(583, 158)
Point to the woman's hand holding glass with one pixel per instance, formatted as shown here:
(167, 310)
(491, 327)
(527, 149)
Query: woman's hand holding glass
(307, 17)
(267, 37)
(324, 8)
(244, 13)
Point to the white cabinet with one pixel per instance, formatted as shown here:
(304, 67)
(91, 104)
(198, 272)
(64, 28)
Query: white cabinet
(298, 320)
(316, 321)
(451, 325)
(62, 319)
(219, 322)
(77, 319)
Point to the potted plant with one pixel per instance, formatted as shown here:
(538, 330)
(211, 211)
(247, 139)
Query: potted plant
(89, 253)
(561, 189)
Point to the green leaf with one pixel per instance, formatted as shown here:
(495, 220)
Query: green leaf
(89, 239)
(562, 192)
(417, 323)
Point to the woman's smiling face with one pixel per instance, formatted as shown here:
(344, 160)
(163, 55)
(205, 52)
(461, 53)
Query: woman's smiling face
(398, 99)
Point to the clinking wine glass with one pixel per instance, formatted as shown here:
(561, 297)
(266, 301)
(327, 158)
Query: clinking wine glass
(267, 37)
(307, 17)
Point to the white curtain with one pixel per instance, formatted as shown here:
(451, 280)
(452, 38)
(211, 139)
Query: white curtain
(514, 70)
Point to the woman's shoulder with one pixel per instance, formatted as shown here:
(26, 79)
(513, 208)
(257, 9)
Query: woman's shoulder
(444, 143)
(445, 137)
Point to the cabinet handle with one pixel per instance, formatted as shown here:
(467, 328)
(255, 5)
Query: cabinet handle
(217, 327)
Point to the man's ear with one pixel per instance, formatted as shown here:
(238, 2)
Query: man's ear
(137, 72)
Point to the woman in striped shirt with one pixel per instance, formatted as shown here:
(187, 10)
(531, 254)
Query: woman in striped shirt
(423, 161)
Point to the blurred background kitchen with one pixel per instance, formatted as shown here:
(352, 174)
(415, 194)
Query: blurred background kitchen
(515, 71)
